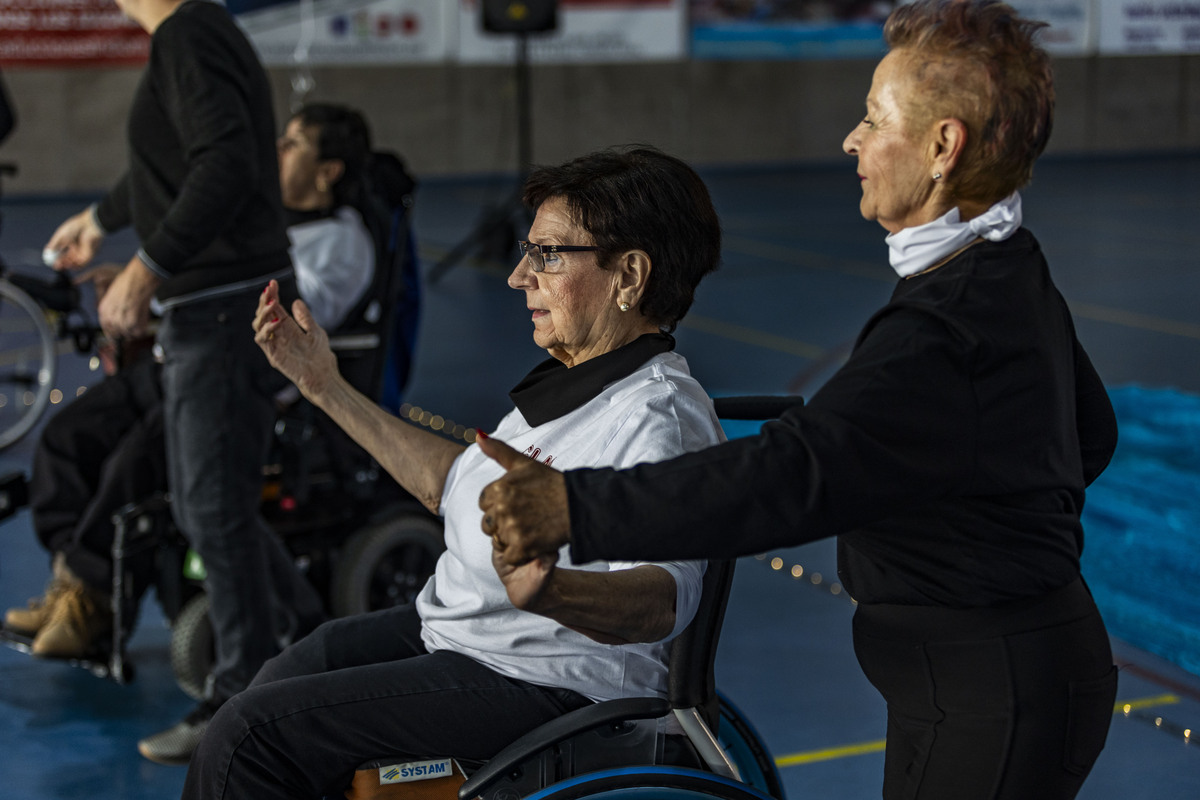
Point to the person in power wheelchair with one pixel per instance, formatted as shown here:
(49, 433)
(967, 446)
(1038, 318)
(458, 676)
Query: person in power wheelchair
(620, 240)
(106, 449)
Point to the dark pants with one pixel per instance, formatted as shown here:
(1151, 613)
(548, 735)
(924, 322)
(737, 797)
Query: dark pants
(218, 412)
(990, 704)
(97, 454)
(357, 689)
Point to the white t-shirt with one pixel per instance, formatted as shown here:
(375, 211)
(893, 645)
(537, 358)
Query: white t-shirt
(656, 413)
(335, 260)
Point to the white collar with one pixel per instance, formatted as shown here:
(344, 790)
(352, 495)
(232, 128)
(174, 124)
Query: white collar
(914, 250)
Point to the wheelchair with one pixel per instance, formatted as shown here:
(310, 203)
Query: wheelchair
(617, 749)
(362, 541)
(37, 315)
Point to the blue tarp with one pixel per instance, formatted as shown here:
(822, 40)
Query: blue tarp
(1142, 526)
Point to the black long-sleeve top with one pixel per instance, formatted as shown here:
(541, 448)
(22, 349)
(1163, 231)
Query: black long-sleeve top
(950, 453)
(202, 186)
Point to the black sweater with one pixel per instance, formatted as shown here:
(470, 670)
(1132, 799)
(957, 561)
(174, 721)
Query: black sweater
(950, 453)
(202, 186)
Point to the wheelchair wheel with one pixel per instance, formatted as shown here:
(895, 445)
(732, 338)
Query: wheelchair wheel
(746, 749)
(647, 783)
(28, 363)
(192, 649)
(386, 563)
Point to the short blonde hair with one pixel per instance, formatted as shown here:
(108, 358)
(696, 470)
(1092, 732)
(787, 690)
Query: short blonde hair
(977, 61)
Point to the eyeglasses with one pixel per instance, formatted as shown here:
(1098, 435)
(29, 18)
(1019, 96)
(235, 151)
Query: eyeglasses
(536, 253)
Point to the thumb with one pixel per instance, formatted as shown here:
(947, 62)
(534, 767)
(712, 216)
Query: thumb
(303, 316)
(498, 451)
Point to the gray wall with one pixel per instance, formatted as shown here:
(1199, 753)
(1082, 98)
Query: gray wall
(461, 120)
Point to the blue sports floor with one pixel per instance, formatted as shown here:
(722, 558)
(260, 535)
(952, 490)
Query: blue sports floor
(801, 273)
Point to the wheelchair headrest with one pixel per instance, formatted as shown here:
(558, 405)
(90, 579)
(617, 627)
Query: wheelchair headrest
(389, 180)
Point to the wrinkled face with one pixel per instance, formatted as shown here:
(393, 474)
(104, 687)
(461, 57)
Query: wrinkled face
(572, 302)
(298, 164)
(895, 170)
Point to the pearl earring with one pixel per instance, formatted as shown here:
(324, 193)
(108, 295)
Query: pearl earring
(623, 306)
(937, 176)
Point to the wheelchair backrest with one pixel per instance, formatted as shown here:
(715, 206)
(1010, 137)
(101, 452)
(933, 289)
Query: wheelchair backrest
(691, 678)
(362, 342)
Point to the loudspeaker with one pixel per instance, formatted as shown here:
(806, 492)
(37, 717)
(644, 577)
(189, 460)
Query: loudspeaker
(520, 16)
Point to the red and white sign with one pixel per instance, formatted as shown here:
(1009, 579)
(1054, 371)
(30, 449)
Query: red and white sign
(351, 31)
(74, 32)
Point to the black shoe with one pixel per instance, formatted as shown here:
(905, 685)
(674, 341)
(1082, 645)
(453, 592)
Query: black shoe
(175, 745)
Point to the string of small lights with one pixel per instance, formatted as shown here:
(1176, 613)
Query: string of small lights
(1131, 711)
(808, 577)
(436, 422)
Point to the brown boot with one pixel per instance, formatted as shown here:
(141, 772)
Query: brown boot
(78, 618)
(29, 620)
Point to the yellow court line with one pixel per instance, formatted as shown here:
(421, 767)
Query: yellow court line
(830, 753)
(1125, 706)
(787, 255)
(877, 746)
(740, 333)
(877, 271)
(1131, 319)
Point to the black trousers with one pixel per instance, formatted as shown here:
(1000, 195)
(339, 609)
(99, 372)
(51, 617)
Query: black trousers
(98, 453)
(357, 689)
(1012, 703)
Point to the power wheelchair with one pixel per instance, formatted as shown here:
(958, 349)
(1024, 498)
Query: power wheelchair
(361, 540)
(617, 748)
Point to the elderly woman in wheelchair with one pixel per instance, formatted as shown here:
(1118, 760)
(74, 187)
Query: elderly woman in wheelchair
(618, 245)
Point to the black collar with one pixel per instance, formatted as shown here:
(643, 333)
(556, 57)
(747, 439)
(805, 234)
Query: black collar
(551, 390)
(292, 216)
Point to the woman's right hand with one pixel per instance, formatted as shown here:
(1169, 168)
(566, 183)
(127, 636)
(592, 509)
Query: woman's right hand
(76, 241)
(294, 343)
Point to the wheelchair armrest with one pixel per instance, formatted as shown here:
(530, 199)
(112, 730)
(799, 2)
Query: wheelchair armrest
(558, 730)
(754, 407)
(360, 341)
(155, 503)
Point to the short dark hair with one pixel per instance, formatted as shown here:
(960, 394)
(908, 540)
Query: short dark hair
(978, 61)
(342, 134)
(640, 198)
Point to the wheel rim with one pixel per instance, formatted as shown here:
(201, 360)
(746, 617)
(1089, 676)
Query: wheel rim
(28, 363)
(399, 575)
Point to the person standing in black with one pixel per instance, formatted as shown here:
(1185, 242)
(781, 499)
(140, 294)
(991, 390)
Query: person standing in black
(949, 455)
(202, 193)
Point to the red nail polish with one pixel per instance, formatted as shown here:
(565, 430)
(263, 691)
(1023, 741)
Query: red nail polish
(274, 319)
(480, 434)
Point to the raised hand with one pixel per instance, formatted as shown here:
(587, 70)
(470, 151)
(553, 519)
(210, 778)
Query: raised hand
(294, 343)
(75, 242)
(525, 512)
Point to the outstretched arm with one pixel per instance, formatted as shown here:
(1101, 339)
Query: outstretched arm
(299, 348)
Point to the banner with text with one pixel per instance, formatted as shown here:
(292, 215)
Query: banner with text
(78, 32)
(314, 32)
(788, 29)
(588, 31)
(1073, 24)
(1136, 27)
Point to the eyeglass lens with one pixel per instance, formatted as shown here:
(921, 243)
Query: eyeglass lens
(534, 253)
